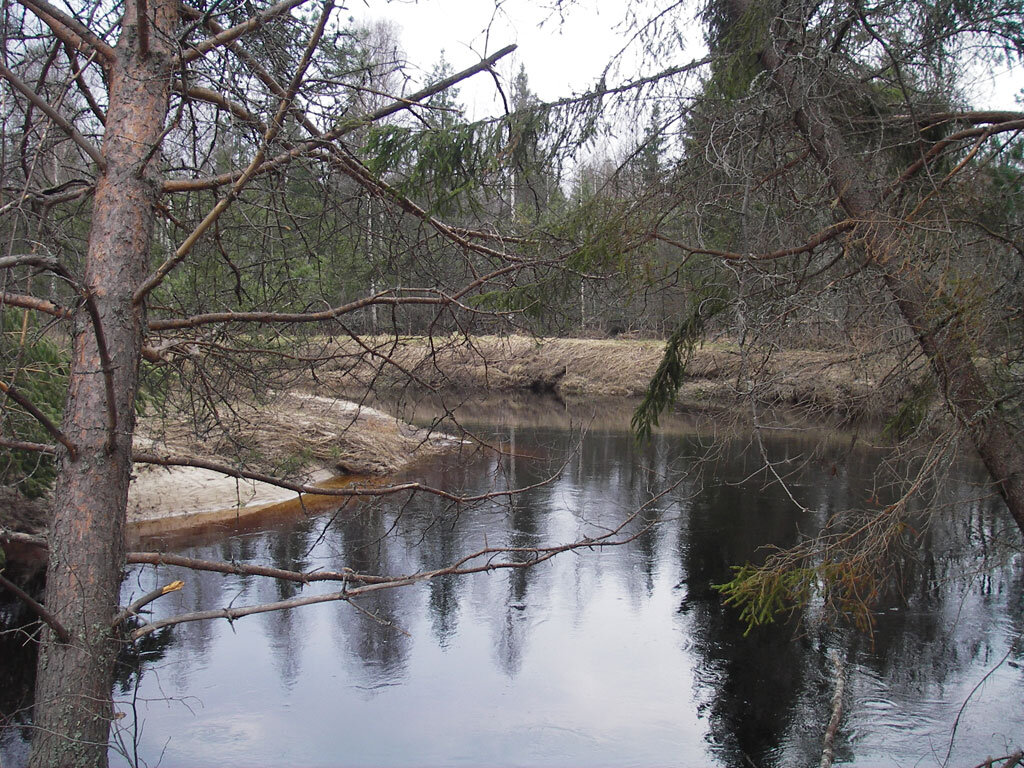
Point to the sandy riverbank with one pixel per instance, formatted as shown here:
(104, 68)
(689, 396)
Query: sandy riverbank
(318, 439)
(309, 436)
(309, 439)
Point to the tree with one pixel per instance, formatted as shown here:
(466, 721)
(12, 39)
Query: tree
(935, 315)
(530, 175)
(833, 162)
(149, 121)
(164, 164)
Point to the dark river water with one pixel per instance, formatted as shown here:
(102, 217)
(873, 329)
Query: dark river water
(615, 657)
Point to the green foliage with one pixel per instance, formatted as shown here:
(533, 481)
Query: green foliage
(709, 301)
(442, 160)
(741, 39)
(526, 299)
(441, 163)
(762, 595)
(38, 369)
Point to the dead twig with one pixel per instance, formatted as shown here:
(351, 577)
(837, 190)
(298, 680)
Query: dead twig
(38, 609)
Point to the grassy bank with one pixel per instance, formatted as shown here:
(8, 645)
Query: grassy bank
(832, 382)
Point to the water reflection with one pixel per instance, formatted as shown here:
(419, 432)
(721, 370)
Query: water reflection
(622, 656)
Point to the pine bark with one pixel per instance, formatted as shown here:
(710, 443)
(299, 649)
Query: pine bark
(942, 334)
(73, 709)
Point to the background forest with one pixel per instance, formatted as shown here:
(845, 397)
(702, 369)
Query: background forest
(203, 205)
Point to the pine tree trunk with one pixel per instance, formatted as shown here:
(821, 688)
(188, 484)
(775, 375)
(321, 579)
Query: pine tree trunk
(73, 708)
(945, 340)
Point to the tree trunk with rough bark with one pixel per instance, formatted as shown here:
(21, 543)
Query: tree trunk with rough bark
(73, 708)
(942, 334)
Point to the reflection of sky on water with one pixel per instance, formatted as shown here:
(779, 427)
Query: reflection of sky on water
(619, 657)
(615, 657)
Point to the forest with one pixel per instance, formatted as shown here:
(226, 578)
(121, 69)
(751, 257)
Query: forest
(205, 205)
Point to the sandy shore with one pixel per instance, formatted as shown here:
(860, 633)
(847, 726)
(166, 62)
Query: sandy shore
(350, 443)
(169, 498)
(316, 437)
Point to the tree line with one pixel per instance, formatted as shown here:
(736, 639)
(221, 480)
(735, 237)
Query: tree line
(195, 197)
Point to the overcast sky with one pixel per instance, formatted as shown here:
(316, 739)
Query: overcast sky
(562, 53)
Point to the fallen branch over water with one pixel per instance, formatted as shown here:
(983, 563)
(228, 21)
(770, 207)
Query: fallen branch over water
(36, 608)
(1006, 761)
(480, 561)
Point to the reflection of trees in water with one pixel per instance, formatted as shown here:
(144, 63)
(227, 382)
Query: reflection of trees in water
(750, 685)
(770, 690)
(766, 696)
(373, 629)
(953, 602)
(523, 530)
(513, 612)
(287, 549)
(441, 531)
(133, 657)
(203, 590)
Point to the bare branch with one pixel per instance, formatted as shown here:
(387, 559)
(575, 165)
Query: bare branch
(32, 260)
(236, 613)
(272, 130)
(230, 35)
(382, 298)
(62, 193)
(359, 172)
(32, 302)
(69, 29)
(106, 366)
(482, 561)
(300, 488)
(350, 165)
(818, 239)
(39, 416)
(24, 445)
(29, 539)
(1015, 124)
(242, 569)
(345, 127)
(633, 84)
(932, 119)
(1006, 761)
(51, 264)
(37, 609)
(83, 86)
(218, 99)
(146, 599)
(55, 116)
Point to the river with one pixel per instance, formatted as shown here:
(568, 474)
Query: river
(620, 656)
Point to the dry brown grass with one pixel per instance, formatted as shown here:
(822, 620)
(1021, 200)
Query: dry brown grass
(298, 434)
(718, 375)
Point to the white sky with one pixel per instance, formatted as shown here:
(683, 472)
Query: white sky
(562, 53)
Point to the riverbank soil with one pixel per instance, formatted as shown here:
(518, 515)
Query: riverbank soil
(310, 434)
(845, 381)
(308, 438)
